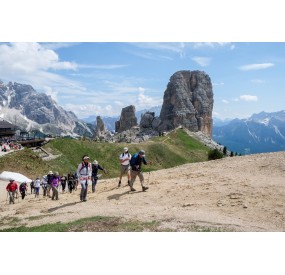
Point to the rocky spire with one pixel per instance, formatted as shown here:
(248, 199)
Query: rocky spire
(188, 101)
(127, 120)
(100, 127)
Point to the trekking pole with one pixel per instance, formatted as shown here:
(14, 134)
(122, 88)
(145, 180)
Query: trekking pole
(148, 178)
(6, 197)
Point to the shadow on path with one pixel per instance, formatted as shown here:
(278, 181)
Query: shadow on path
(118, 196)
(62, 206)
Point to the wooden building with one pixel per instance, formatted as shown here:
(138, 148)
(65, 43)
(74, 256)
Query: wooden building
(7, 129)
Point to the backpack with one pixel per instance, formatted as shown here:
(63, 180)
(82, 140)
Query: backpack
(22, 187)
(134, 159)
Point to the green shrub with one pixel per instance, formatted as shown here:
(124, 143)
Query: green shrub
(215, 154)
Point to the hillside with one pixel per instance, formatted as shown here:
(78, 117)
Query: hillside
(232, 194)
(168, 151)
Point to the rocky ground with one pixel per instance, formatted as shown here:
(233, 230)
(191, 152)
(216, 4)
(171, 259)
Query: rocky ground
(232, 194)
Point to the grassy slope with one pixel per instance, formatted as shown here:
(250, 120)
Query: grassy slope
(175, 149)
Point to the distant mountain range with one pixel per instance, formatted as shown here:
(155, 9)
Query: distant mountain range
(261, 133)
(30, 110)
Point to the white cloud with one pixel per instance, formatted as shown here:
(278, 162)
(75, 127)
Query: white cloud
(248, 98)
(32, 63)
(202, 61)
(259, 66)
(51, 92)
(225, 101)
(30, 57)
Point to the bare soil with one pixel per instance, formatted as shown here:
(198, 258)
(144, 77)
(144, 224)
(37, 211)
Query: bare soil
(233, 194)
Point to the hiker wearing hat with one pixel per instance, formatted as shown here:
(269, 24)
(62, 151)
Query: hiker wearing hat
(23, 189)
(95, 167)
(12, 189)
(136, 163)
(125, 165)
(49, 181)
(84, 173)
(37, 185)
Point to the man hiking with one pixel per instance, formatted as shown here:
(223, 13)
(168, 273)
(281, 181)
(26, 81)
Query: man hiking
(84, 172)
(32, 185)
(12, 189)
(95, 167)
(125, 158)
(136, 163)
(37, 185)
(71, 182)
(23, 189)
(49, 181)
(44, 185)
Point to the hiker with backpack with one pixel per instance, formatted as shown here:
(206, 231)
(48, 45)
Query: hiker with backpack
(32, 185)
(136, 162)
(84, 173)
(71, 182)
(12, 189)
(49, 182)
(95, 167)
(125, 158)
(63, 183)
(54, 185)
(37, 185)
(23, 189)
(44, 185)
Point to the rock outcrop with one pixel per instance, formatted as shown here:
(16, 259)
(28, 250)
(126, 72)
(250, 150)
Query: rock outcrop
(188, 101)
(127, 120)
(101, 133)
(100, 127)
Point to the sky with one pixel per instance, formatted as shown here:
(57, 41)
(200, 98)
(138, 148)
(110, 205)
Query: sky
(100, 78)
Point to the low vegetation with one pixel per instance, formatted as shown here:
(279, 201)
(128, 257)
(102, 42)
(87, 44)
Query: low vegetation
(110, 224)
(166, 151)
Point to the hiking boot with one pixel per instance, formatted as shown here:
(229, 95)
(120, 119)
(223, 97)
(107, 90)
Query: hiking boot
(144, 188)
(119, 184)
(133, 189)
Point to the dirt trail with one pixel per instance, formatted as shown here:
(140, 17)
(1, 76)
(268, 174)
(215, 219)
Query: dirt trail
(242, 194)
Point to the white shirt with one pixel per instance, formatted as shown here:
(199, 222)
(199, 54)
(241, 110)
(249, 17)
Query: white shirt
(37, 183)
(126, 158)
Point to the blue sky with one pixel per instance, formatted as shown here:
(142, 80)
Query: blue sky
(99, 78)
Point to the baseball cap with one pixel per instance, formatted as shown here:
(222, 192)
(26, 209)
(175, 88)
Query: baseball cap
(126, 148)
(86, 157)
(50, 172)
(142, 152)
(95, 161)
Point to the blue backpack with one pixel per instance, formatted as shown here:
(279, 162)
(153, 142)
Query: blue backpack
(134, 159)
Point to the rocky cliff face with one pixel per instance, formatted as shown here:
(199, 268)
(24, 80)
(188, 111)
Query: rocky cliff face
(38, 111)
(188, 101)
(127, 120)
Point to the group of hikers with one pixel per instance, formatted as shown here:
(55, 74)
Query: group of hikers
(86, 172)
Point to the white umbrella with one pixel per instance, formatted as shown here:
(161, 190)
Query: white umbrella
(15, 176)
